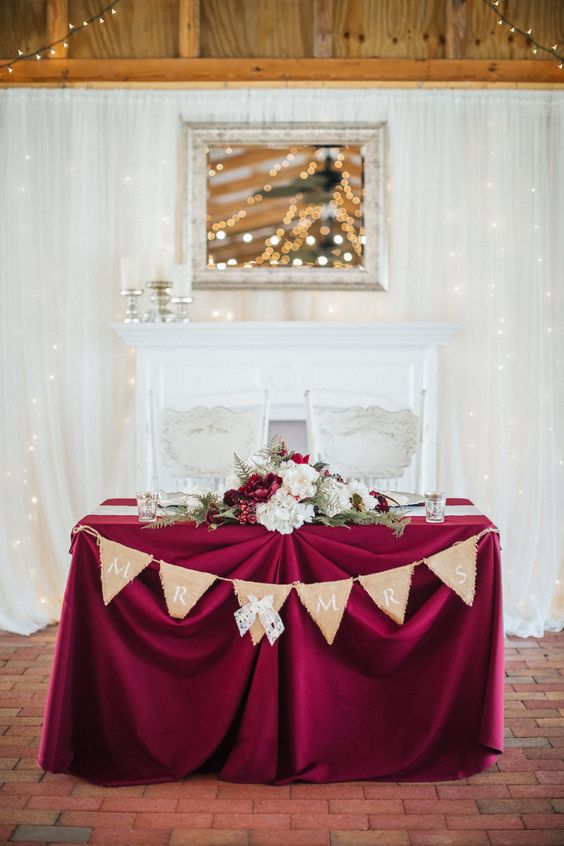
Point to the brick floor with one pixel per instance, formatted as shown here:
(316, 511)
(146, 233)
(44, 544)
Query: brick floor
(519, 801)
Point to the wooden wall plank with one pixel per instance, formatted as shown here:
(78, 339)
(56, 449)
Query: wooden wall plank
(141, 29)
(323, 28)
(197, 71)
(57, 26)
(189, 28)
(22, 26)
(485, 39)
(389, 28)
(238, 28)
(455, 35)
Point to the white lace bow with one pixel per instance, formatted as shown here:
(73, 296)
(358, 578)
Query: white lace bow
(261, 608)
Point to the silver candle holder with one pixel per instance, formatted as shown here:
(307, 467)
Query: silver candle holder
(160, 298)
(132, 313)
(182, 304)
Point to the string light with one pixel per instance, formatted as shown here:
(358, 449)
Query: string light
(526, 33)
(39, 52)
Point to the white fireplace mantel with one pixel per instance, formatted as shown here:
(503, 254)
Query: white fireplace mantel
(302, 333)
(184, 364)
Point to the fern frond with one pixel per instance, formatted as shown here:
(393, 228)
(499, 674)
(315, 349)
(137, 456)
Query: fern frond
(243, 470)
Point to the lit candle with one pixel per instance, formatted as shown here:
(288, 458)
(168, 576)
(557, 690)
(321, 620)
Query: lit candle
(181, 280)
(130, 273)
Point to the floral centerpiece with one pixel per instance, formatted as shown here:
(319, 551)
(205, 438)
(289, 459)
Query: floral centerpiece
(281, 490)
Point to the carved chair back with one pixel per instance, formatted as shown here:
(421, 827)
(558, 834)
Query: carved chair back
(370, 443)
(194, 447)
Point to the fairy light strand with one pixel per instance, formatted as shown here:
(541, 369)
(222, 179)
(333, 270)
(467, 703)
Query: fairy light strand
(40, 52)
(526, 33)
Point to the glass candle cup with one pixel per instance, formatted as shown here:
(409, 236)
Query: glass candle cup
(435, 507)
(146, 506)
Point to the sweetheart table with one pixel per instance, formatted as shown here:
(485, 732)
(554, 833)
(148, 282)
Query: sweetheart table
(137, 696)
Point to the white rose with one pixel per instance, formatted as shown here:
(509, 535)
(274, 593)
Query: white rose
(282, 513)
(355, 486)
(338, 496)
(299, 479)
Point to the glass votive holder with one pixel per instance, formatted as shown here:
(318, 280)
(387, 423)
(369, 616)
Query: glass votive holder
(147, 506)
(435, 507)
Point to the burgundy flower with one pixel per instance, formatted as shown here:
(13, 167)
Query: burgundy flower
(232, 497)
(383, 504)
(260, 488)
(298, 458)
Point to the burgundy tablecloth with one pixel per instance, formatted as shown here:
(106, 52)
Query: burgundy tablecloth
(137, 696)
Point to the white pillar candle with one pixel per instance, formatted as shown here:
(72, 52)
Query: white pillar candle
(130, 273)
(181, 280)
(161, 265)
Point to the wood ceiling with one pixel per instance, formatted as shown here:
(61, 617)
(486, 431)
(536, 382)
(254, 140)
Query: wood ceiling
(184, 43)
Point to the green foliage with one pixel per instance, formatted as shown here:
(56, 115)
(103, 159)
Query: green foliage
(243, 469)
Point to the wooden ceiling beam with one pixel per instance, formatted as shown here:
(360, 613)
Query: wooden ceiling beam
(57, 27)
(455, 34)
(187, 72)
(322, 28)
(188, 29)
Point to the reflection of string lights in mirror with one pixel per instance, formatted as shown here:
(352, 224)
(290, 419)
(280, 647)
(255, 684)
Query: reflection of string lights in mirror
(300, 206)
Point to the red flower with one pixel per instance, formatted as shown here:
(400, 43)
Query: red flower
(260, 488)
(298, 458)
(383, 504)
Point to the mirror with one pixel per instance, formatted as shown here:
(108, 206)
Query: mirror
(286, 207)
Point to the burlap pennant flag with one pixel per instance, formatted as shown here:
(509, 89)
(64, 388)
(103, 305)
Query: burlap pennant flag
(120, 565)
(325, 602)
(183, 587)
(245, 589)
(456, 567)
(390, 590)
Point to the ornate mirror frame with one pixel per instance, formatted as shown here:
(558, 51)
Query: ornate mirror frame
(372, 140)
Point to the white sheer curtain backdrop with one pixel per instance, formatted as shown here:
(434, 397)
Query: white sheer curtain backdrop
(476, 206)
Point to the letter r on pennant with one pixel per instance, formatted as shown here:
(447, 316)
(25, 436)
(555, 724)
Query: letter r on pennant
(117, 570)
(389, 597)
(179, 594)
(331, 604)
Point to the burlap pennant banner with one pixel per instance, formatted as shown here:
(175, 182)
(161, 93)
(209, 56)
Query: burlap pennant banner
(259, 603)
(325, 602)
(244, 590)
(456, 567)
(183, 587)
(120, 565)
(390, 590)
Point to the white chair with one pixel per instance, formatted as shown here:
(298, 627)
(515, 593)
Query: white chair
(194, 447)
(372, 443)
